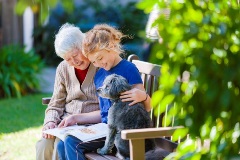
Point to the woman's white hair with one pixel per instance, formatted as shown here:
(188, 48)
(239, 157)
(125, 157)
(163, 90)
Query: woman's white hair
(69, 37)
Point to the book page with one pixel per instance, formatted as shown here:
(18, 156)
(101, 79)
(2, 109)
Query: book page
(61, 132)
(82, 132)
(91, 132)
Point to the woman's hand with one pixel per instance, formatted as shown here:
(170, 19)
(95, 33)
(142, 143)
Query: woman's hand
(135, 95)
(68, 121)
(49, 125)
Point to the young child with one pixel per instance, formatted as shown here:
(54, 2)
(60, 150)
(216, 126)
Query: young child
(102, 47)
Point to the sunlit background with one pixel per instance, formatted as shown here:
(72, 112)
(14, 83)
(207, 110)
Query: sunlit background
(198, 37)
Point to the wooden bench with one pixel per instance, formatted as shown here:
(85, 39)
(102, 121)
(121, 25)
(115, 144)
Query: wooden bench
(150, 74)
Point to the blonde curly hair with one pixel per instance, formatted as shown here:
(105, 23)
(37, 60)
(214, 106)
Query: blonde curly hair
(102, 36)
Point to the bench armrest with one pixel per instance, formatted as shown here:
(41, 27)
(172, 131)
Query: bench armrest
(46, 100)
(137, 138)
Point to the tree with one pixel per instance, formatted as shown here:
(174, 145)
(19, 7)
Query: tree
(41, 8)
(201, 37)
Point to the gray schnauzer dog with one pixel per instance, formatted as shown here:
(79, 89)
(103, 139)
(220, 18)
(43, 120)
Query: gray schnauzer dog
(122, 116)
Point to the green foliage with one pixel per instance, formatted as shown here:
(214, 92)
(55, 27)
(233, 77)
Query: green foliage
(41, 7)
(21, 113)
(115, 15)
(201, 37)
(44, 37)
(18, 71)
(20, 126)
(84, 14)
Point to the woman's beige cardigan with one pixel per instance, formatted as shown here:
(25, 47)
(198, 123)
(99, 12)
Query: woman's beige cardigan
(69, 97)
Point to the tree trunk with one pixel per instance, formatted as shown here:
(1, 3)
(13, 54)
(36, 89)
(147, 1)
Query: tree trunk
(12, 24)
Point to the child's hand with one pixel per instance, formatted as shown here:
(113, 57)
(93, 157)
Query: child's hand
(135, 95)
(68, 121)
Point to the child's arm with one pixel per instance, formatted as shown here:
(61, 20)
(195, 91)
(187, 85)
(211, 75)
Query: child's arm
(82, 118)
(137, 94)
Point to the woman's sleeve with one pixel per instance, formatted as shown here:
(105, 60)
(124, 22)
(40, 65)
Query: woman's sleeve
(57, 103)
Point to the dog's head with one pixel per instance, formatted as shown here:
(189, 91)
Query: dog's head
(113, 85)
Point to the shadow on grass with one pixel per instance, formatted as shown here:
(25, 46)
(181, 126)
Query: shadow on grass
(19, 114)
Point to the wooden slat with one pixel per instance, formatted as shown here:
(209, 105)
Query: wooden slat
(94, 156)
(148, 133)
(166, 144)
(137, 138)
(147, 68)
(46, 100)
(132, 57)
(109, 157)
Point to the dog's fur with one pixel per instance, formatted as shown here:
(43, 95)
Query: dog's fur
(122, 116)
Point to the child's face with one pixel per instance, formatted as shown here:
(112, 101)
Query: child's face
(104, 59)
(76, 59)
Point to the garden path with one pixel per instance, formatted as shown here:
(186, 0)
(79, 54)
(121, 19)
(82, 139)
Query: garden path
(47, 78)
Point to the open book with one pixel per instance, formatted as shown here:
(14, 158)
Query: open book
(83, 132)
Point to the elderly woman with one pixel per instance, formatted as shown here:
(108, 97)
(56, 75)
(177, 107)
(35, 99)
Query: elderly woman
(74, 98)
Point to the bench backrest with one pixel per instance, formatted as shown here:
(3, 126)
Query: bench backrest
(150, 74)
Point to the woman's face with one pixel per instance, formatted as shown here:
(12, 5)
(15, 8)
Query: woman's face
(77, 59)
(104, 59)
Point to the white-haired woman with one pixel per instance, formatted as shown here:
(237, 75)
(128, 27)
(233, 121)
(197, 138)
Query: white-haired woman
(74, 98)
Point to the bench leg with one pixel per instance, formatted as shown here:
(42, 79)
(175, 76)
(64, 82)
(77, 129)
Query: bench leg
(137, 149)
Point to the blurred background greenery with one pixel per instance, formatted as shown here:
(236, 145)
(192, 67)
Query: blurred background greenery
(198, 37)
(201, 38)
(85, 14)
(20, 126)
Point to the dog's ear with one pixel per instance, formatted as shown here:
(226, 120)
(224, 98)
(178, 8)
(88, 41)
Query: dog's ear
(123, 85)
(119, 85)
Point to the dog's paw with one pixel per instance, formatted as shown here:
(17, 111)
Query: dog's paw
(103, 151)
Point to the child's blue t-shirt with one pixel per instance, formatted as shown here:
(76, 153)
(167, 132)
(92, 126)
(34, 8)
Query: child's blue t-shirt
(123, 68)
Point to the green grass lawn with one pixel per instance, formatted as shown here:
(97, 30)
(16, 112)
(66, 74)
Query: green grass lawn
(20, 126)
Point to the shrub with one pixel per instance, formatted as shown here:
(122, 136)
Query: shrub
(201, 37)
(18, 71)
